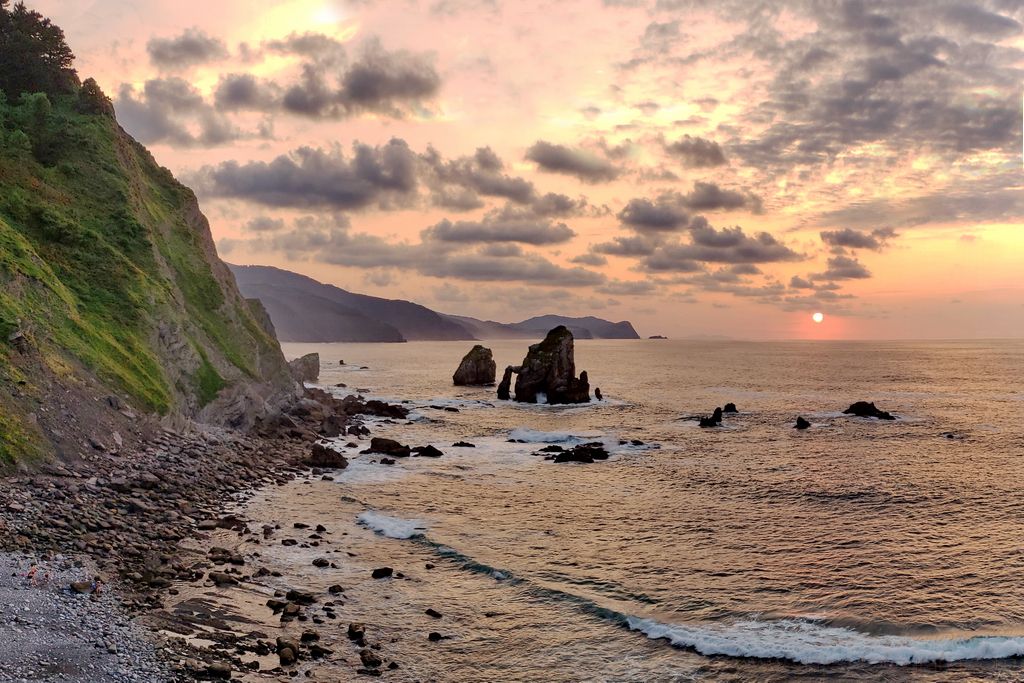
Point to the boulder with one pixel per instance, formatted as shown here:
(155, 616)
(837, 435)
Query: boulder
(427, 452)
(306, 368)
(550, 369)
(865, 409)
(730, 408)
(801, 423)
(321, 455)
(505, 387)
(388, 447)
(476, 369)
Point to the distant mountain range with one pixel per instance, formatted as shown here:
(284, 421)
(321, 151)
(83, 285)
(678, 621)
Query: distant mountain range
(304, 310)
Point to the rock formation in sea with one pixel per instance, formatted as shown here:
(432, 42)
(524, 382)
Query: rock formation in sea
(306, 368)
(505, 386)
(865, 409)
(801, 423)
(476, 369)
(730, 408)
(549, 369)
(715, 420)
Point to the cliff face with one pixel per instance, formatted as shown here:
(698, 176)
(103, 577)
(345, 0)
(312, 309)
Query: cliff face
(113, 301)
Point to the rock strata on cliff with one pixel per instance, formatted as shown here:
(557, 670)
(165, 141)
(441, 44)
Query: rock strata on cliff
(476, 369)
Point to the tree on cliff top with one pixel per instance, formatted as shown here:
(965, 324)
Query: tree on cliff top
(34, 57)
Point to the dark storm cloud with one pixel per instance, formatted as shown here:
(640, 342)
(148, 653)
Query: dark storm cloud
(382, 175)
(571, 161)
(190, 48)
(495, 227)
(855, 239)
(170, 110)
(662, 215)
(843, 268)
(696, 152)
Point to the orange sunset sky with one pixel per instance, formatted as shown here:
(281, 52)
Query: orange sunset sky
(698, 168)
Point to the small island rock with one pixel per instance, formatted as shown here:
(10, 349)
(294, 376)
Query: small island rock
(476, 369)
(865, 409)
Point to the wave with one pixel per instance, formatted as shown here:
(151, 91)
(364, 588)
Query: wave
(392, 527)
(807, 642)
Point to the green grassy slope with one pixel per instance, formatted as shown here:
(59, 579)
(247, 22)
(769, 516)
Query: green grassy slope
(107, 267)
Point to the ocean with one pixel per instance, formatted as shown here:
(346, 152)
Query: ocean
(857, 549)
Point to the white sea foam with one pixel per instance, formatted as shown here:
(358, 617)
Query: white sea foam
(392, 527)
(806, 642)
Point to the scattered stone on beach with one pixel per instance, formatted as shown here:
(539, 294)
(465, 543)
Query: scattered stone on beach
(801, 423)
(322, 455)
(356, 631)
(550, 369)
(370, 659)
(427, 451)
(865, 409)
(384, 446)
(476, 369)
(222, 579)
(715, 420)
(321, 562)
(306, 368)
(382, 572)
(463, 444)
(730, 408)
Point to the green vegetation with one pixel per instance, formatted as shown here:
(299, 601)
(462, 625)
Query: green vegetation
(106, 264)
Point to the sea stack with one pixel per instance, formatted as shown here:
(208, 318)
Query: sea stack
(550, 369)
(476, 369)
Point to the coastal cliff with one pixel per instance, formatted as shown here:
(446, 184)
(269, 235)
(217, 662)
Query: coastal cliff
(113, 301)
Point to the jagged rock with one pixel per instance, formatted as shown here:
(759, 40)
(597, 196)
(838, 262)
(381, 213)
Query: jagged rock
(306, 368)
(321, 455)
(801, 423)
(730, 408)
(463, 444)
(476, 369)
(505, 386)
(550, 369)
(865, 409)
(597, 394)
(586, 453)
(388, 447)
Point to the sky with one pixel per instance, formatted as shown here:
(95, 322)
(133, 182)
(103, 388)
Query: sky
(721, 168)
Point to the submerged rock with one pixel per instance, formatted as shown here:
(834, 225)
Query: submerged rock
(801, 423)
(586, 453)
(476, 369)
(550, 369)
(427, 452)
(306, 368)
(865, 409)
(714, 421)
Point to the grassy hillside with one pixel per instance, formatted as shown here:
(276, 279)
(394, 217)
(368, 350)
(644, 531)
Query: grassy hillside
(108, 274)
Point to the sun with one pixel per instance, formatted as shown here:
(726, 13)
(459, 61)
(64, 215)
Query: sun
(818, 317)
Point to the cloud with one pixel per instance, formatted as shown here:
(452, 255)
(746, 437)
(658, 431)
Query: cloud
(189, 49)
(627, 288)
(499, 227)
(171, 110)
(977, 20)
(571, 161)
(636, 245)
(480, 174)
(379, 80)
(589, 259)
(708, 245)
(264, 224)
(312, 177)
(244, 91)
(797, 282)
(855, 239)
(662, 215)
(843, 268)
(709, 197)
(696, 152)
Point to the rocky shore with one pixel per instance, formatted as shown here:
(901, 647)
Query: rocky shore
(140, 526)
